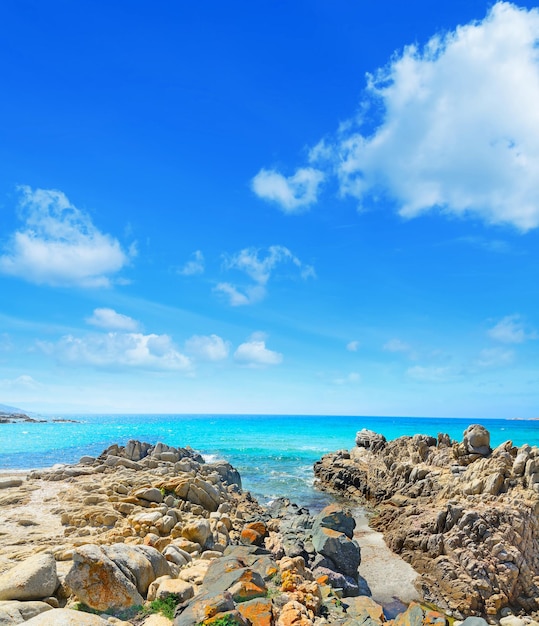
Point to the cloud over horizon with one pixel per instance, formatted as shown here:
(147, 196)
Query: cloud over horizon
(454, 129)
(117, 349)
(58, 244)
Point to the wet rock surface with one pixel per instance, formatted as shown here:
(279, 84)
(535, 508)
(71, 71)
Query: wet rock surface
(462, 514)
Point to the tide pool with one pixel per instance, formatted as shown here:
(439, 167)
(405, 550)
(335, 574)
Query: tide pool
(274, 454)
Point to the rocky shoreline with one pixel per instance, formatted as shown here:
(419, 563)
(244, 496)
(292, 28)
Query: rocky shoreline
(146, 527)
(463, 515)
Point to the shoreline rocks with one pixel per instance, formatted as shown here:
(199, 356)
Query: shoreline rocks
(463, 515)
(143, 523)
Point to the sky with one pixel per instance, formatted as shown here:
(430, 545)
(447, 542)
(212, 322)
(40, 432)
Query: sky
(270, 207)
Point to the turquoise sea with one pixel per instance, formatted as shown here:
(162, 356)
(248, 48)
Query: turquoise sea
(274, 454)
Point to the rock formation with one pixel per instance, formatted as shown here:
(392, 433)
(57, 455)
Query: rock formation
(463, 515)
(142, 524)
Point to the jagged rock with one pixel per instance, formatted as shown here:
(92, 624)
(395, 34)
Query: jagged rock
(33, 579)
(336, 518)
(337, 547)
(463, 516)
(370, 440)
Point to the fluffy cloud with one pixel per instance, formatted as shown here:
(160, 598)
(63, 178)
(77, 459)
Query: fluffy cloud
(259, 265)
(110, 320)
(193, 266)
(254, 352)
(59, 245)
(511, 329)
(456, 129)
(352, 346)
(293, 193)
(207, 348)
(115, 349)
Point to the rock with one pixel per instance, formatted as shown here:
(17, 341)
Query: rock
(15, 612)
(151, 495)
(6, 483)
(67, 617)
(336, 518)
(416, 615)
(258, 612)
(474, 621)
(199, 531)
(370, 440)
(477, 440)
(140, 564)
(32, 579)
(337, 547)
(99, 583)
(199, 610)
(173, 586)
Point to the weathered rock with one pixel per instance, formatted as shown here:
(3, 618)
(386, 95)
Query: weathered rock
(6, 483)
(257, 612)
(337, 547)
(336, 518)
(140, 564)
(463, 516)
(370, 440)
(173, 586)
(96, 580)
(15, 612)
(67, 617)
(32, 579)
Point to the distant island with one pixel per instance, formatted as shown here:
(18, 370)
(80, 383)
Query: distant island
(13, 415)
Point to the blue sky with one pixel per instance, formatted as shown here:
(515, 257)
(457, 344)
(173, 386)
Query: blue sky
(270, 207)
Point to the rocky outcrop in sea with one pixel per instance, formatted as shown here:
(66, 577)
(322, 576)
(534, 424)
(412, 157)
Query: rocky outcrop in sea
(144, 528)
(464, 515)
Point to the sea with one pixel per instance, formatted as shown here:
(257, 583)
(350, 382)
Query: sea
(273, 453)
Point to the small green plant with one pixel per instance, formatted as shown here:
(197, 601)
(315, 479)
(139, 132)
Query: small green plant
(166, 606)
(225, 620)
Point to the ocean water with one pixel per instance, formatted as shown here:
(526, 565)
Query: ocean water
(274, 454)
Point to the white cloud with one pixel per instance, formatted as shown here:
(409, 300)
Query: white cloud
(110, 320)
(511, 329)
(208, 348)
(456, 126)
(293, 193)
(495, 357)
(352, 346)
(259, 265)
(396, 345)
(254, 352)
(194, 266)
(59, 245)
(432, 374)
(114, 349)
(240, 297)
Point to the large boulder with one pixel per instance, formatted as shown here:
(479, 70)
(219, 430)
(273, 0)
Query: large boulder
(477, 440)
(370, 440)
(140, 564)
(336, 518)
(96, 580)
(337, 547)
(33, 579)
